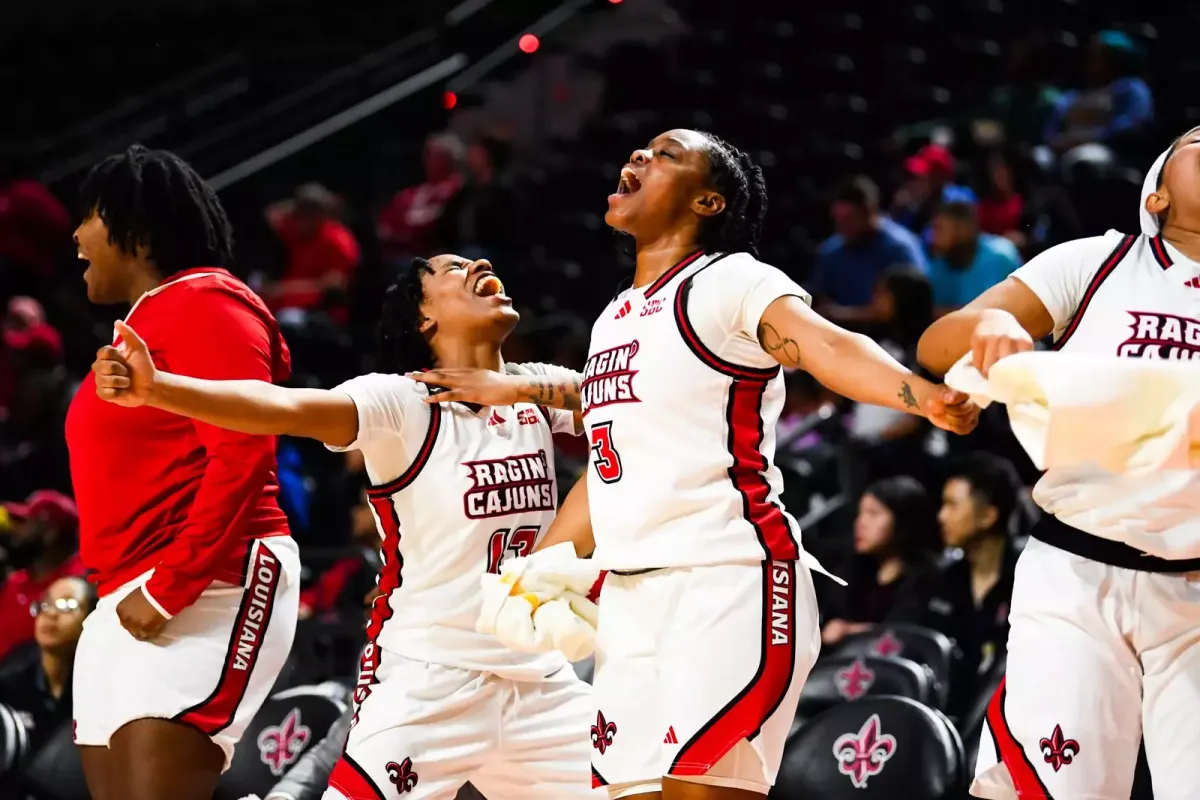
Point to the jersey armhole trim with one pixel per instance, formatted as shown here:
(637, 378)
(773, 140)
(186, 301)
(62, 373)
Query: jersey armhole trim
(708, 357)
(1160, 252)
(1110, 264)
(414, 469)
(670, 274)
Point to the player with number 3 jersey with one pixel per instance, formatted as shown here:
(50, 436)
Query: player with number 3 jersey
(455, 489)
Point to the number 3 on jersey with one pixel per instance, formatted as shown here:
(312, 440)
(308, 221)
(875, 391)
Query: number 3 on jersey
(607, 461)
(504, 545)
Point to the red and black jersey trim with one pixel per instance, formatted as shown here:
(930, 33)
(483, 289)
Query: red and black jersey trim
(597, 779)
(418, 463)
(1110, 264)
(692, 339)
(352, 781)
(670, 274)
(1159, 249)
(1009, 751)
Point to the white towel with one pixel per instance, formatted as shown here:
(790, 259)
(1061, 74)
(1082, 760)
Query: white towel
(1149, 223)
(1126, 415)
(539, 604)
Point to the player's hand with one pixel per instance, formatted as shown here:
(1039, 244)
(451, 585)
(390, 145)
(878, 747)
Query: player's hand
(996, 336)
(484, 387)
(125, 374)
(950, 410)
(142, 620)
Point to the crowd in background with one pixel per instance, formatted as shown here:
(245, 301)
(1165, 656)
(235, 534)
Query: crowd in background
(934, 535)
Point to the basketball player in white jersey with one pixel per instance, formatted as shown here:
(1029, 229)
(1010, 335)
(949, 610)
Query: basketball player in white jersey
(708, 625)
(456, 489)
(1105, 641)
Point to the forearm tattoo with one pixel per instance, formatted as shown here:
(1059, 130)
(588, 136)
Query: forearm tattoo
(556, 394)
(778, 346)
(906, 396)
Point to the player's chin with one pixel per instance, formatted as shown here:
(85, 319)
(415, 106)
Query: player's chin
(619, 214)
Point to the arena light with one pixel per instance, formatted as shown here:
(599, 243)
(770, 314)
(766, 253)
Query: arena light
(614, 2)
(449, 100)
(528, 43)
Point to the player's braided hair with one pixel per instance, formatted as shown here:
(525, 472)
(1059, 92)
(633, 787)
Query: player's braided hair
(153, 199)
(734, 174)
(402, 346)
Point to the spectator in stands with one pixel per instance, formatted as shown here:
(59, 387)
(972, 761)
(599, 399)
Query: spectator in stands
(930, 185)
(893, 572)
(1002, 201)
(979, 500)
(33, 452)
(1019, 108)
(485, 214)
(28, 343)
(411, 224)
(40, 539)
(34, 229)
(39, 687)
(964, 261)
(344, 583)
(864, 244)
(892, 442)
(1115, 107)
(322, 253)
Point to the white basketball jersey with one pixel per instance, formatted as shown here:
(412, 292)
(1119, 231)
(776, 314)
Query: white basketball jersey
(455, 491)
(680, 403)
(1134, 297)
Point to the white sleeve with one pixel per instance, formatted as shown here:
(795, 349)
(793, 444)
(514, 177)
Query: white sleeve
(385, 403)
(727, 302)
(561, 420)
(1060, 276)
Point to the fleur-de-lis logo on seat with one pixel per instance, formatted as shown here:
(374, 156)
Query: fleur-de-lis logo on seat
(863, 754)
(1058, 751)
(887, 645)
(280, 746)
(603, 732)
(402, 775)
(854, 681)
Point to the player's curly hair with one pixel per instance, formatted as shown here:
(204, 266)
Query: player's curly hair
(155, 200)
(402, 346)
(739, 179)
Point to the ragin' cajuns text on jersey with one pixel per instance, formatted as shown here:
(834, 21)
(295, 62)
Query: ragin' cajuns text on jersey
(1133, 297)
(680, 404)
(455, 490)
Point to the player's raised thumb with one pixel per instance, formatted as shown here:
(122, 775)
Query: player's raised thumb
(129, 337)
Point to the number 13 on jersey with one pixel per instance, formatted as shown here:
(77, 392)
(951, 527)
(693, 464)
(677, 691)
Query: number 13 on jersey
(606, 461)
(515, 544)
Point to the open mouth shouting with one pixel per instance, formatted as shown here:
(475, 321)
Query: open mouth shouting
(488, 285)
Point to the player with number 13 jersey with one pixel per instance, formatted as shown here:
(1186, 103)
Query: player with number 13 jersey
(455, 490)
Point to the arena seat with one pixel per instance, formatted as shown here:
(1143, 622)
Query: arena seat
(925, 646)
(875, 748)
(970, 724)
(287, 725)
(841, 679)
(14, 747)
(55, 771)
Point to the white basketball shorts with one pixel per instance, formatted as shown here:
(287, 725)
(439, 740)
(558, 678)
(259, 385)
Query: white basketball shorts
(212, 667)
(1098, 657)
(698, 674)
(425, 730)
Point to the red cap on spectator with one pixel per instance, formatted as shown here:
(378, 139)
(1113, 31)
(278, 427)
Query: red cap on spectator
(52, 507)
(932, 159)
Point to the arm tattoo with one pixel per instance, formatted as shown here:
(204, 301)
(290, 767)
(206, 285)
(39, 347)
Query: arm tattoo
(555, 394)
(778, 346)
(906, 395)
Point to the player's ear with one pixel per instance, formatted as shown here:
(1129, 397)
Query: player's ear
(988, 516)
(426, 325)
(1158, 201)
(708, 203)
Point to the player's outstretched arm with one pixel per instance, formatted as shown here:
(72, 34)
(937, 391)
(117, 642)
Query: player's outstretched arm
(856, 367)
(127, 376)
(1005, 319)
(573, 523)
(489, 388)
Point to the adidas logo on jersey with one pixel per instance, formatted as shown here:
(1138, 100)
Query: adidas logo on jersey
(495, 419)
(623, 310)
(670, 738)
(1194, 283)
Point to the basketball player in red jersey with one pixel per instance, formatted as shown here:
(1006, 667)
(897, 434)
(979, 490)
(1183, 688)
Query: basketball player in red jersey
(197, 574)
(709, 625)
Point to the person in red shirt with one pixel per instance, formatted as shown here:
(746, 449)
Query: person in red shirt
(322, 253)
(197, 574)
(40, 538)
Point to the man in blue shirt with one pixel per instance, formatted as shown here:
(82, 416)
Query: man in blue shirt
(866, 243)
(964, 262)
